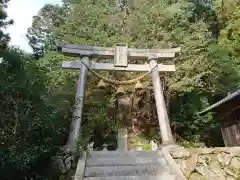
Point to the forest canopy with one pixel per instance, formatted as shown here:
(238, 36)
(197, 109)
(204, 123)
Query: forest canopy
(37, 95)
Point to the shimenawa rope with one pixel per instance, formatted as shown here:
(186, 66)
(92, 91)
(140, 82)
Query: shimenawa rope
(115, 82)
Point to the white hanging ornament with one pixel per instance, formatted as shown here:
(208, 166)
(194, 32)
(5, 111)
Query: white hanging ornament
(139, 146)
(154, 146)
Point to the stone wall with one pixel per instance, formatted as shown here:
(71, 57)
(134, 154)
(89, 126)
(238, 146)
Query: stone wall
(208, 163)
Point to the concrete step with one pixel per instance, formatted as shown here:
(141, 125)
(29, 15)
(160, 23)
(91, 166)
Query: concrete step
(110, 154)
(138, 170)
(160, 177)
(121, 161)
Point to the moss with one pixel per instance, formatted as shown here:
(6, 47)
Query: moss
(197, 176)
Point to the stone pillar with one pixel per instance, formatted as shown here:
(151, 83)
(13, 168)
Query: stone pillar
(78, 108)
(122, 139)
(164, 124)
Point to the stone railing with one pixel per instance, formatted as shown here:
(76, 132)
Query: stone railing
(208, 163)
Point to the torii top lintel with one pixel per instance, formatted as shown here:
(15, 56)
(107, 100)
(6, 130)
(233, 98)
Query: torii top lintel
(109, 52)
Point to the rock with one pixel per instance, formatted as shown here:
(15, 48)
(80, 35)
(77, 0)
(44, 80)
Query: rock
(215, 167)
(234, 165)
(178, 161)
(196, 176)
(213, 157)
(211, 163)
(189, 165)
(205, 172)
(219, 150)
(237, 152)
(224, 158)
(231, 173)
(64, 163)
(180, 153)
(230, 178)
(218, 176)
(204, 160)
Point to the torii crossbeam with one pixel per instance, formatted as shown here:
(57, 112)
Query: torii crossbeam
(120, 54)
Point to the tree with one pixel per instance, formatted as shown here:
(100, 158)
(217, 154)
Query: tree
(4, 38)
(203, 66)
(229, 13)
(39, 35)
(37, 96)
(34, 117)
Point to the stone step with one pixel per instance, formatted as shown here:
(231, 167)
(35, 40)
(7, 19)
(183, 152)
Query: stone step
(160, 177)
(138, 170)
(110, 154)
(120, 161)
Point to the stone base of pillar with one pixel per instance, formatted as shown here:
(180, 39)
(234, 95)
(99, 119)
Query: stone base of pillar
(122, 139)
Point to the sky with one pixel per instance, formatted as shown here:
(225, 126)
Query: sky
(22, 11)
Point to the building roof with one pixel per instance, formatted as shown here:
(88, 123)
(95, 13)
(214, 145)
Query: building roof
(230, 96)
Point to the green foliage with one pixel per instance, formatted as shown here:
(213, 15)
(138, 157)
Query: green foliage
(37, 96)
(229, 36)
(4, 23)
(32, 129)
(204, 69)
(40, 34)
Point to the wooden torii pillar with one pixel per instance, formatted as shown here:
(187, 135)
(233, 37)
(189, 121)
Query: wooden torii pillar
(121, 54)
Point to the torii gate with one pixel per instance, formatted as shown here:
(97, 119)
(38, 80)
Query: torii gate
(121, 53)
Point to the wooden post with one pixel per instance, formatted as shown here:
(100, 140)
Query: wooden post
(161, 107)
(78, 108)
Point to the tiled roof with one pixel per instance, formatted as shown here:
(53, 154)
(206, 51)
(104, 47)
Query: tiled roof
(226, 99)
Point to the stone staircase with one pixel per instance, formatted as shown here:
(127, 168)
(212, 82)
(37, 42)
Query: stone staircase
(124, 165)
